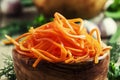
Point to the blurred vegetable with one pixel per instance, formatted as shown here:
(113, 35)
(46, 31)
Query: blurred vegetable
(14, 7)
(39, 20)
(115, 15)
(115, 6)
(27, 3)
(116, 37)
(11, 7)
(113, 10)
(18, 27)
(70, 9)
(108, 27)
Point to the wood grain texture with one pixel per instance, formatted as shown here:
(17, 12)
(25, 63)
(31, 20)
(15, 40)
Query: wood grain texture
(59, 71)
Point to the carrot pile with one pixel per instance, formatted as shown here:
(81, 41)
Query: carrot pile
(62, 40)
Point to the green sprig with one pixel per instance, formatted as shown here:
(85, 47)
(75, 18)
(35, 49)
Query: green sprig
(114, 66)
(8, 70)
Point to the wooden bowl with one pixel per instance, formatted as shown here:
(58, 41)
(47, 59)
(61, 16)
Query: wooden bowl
(60, 71)
(70, 9)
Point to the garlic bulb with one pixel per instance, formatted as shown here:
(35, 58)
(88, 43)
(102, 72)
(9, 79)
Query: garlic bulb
(107, 27)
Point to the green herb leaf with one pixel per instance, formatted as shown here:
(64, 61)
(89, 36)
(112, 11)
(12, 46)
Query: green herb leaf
(114, 69)
(114, 10)
(8, 70)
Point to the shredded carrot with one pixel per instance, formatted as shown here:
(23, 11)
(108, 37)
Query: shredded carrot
(12, 40)
(37, 61)
(62, 40)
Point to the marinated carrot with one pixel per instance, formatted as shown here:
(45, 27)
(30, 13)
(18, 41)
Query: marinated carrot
(62, 40)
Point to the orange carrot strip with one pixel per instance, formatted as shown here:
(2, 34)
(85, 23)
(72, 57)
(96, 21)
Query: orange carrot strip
(21, 36)
(36, 62)
(57, 15)
(97, 32)
(41, 55)
(107, 48)
(83, 58)
(73, 49)
(49, 55)
(78, 20)
(69, 60)
(61, 40)
(12, 40)
(70, 35)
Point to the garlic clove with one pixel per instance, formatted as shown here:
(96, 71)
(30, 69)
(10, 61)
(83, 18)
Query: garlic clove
(108, 27)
